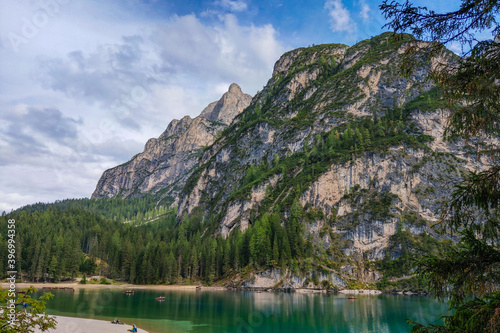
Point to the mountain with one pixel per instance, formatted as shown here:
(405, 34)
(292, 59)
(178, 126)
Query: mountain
(168, 160)
(338, 148)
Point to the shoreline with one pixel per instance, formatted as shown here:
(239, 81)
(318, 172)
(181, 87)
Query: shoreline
(193, 288)
(86, 325)
(76, 285)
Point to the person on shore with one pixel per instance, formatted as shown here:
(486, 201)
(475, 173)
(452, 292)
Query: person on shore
(133, 329)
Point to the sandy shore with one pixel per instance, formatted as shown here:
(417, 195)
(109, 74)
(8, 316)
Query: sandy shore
(76, 285)
(81, 325)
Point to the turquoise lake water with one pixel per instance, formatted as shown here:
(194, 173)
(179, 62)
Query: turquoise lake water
(247, 312)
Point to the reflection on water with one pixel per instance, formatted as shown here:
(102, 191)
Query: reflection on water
(241, 311)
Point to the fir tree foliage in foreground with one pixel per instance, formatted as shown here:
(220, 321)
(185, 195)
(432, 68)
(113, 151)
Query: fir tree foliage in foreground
(30, 317)
(469, 275)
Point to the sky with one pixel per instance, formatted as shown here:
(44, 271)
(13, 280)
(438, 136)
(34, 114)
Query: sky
(84, 84)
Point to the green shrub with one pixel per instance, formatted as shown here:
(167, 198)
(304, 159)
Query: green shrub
(104, 281)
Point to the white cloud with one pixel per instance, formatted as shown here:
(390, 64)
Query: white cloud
(340, 17)
(365, 11)
(14, 199)
(455, 47)
(223, 52)
(87, 91)
(233, 5)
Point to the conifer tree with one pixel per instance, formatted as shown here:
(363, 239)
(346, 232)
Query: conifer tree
(470, 85)
(227, 258)
(195, 264)
(276, 255)
(53, 269)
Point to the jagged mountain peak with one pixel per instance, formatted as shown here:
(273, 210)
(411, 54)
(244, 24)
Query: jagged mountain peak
(171, 157)
(228, 107)
(309, 86)
(234, 88)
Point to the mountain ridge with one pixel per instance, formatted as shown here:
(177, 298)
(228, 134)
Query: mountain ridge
(347, 151)
(168, 158)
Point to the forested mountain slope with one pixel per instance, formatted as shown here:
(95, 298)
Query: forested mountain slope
(339, 130)
(329, 176)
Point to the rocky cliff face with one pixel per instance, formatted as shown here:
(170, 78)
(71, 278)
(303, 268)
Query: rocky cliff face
(337, 130)
(168, 160)
(362, 196)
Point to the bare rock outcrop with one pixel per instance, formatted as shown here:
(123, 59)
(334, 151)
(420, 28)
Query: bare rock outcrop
(168, 160)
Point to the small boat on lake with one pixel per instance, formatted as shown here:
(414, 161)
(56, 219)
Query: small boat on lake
(128, 292)
(160, 298)
(351, 297)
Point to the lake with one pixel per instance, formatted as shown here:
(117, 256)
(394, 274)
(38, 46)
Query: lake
(245, 311)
